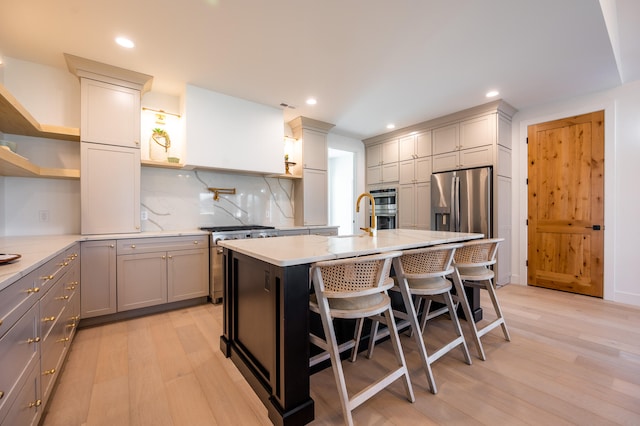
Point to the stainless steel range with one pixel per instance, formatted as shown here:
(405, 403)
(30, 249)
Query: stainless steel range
(231, 232)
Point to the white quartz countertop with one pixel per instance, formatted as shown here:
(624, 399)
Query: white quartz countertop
(35, 251)
(303, 249)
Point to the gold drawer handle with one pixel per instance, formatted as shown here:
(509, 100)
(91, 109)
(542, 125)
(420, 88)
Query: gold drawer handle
(65, 263)
(133, 246)
(33, 290)
(1, 322)
(71, 325)
(48, 372)
(196, 242)
(48, 319)
(1, 394)
(66, 339)
(33, 340)
(47, 277)
(62, 298)
(70, 288)
(35, 403)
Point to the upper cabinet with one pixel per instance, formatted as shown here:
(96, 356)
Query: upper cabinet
(105, 104)
(416, 145)
(228, 133)
(382, 162)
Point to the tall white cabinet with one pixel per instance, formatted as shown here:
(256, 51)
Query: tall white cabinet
(477, 137)
(310, 155)
(110, 146)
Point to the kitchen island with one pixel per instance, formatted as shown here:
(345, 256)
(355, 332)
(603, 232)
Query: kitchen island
(266, 307)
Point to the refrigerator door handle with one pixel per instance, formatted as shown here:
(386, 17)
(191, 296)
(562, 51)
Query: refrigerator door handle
(452, 205)
(456, 204)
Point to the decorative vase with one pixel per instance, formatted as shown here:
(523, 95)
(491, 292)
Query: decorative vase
(159, 144)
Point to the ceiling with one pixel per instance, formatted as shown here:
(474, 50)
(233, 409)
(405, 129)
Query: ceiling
(368, 62)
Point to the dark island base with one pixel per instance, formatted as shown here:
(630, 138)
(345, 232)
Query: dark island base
(266, 333)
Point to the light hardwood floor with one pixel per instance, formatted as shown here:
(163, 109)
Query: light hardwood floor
(572, 360)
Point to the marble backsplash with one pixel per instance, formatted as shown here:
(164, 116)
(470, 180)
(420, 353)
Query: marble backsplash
(179, 199)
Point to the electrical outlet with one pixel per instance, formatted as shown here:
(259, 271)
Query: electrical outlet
(43, 215)
(144, 215)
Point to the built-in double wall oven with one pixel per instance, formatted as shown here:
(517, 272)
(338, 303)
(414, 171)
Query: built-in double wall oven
(386, 208)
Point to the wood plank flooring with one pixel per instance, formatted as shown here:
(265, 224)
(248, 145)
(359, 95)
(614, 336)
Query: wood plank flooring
(572, 360)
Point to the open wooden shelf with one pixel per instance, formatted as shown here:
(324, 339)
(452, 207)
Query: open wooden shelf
(12, 164)
(16, 120)
(161, 164)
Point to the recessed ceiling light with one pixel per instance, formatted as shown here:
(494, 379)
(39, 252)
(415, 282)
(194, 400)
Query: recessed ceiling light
(311, 101)
(492, 93)
(391, 126)
(124, 42)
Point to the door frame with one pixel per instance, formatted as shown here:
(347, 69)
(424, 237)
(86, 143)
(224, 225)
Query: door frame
(520, 173)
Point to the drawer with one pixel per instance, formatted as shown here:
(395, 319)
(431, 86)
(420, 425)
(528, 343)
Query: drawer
(16, 299)
(155, 244)
(71, 316)
(27, 407)
(18, 351)
(53, 348)
(51, 306)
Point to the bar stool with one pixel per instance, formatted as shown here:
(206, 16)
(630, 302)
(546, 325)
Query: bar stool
(355, 288)
(472, 262)
(421, 277)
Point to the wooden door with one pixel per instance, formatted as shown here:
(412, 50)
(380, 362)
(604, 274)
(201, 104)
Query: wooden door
(566, 204)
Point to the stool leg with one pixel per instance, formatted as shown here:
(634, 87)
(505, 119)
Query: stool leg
(496, 305)
(456, 326)
(397, 348)
(417, 333)
(356, 338)
(461, 296)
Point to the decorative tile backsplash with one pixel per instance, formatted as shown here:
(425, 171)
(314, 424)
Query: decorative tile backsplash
(179, 199)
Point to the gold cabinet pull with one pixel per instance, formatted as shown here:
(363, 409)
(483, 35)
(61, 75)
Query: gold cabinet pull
(33, 290)
(48, 319)
(47, 278)
(62, 298)
(49, 372)
(1, 322)
(111, 246)
(164, 257)
(33, 340)
(133, 246)
(65, 339)
(71, 325)
(1, 394)
(35, 403)
(196, 242)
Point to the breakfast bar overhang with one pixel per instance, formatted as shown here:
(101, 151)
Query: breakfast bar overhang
(266, 308)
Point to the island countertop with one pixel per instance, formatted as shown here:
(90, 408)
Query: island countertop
(304, 249)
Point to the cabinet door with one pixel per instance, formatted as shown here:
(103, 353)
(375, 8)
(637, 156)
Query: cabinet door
(315, 198)
(142, 280)
(407, 148)
(98, 278)
(423, 144)
(374, 175)
(423, 205)
(445, 162)
(314, 150)
(390, 172)
(374, 155)
(423, 169)
(110, 189)
(390, 152)
(475, 157)
(110, 114)
(187, 274)
(446, 139)
(406, 172)
(406, 206)
(478, 131)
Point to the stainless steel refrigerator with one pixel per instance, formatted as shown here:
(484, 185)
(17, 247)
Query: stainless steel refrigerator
(461, 201)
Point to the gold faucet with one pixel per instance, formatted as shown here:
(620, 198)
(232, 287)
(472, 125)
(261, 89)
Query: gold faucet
(371, 230)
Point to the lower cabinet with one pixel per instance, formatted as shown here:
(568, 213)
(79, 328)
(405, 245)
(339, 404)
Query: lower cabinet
(35, 336)
(98, 273)
(153, 271)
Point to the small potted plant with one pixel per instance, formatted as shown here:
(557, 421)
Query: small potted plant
(159, 145)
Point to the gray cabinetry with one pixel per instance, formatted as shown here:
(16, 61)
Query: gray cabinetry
(33, 336)
(153, 271)
(98, 273)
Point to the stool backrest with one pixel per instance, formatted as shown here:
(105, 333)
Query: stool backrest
(352, 277)
(477, 252)
(426, 262)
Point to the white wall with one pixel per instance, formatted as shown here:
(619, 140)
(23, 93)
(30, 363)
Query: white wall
(346, 143)
(622, 176)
